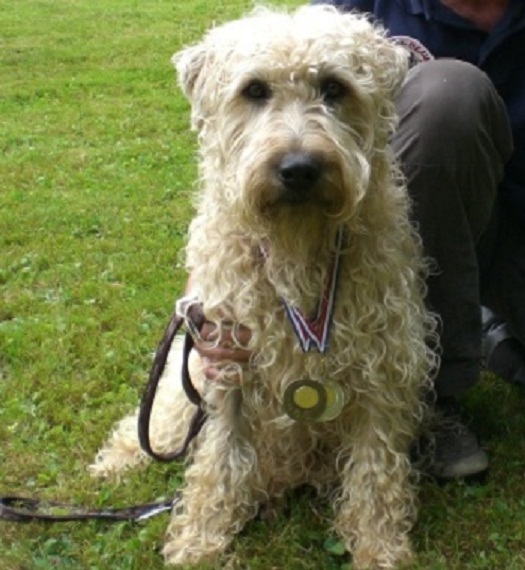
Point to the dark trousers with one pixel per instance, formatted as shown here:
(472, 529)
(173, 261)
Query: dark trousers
(453, 141)
(505, 293)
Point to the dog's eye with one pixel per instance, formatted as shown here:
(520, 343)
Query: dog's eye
(257, 91)
(332, 90)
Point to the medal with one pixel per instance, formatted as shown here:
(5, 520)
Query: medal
(305, 400)
(312, 401)
(335, 401)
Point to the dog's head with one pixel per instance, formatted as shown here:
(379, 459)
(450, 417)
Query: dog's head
(293, 111)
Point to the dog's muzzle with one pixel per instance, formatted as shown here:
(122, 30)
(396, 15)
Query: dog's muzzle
(298, 172)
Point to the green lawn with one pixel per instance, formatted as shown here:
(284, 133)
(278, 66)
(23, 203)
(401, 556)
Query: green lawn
(96, 168)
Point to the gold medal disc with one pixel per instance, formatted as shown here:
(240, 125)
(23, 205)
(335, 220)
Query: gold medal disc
(335, 401)
(305, 400)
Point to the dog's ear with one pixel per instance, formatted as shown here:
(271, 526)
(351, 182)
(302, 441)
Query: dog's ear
(189, 64)
(390, 66)
(378, 59)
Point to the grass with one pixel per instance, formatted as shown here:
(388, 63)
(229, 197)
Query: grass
(96, 169)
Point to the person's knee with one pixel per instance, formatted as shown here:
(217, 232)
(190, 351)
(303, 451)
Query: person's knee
(447, 105)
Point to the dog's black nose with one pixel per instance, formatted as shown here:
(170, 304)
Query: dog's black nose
(299, 171)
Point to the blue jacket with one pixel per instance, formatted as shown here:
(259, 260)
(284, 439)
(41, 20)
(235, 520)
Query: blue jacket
(500, 54)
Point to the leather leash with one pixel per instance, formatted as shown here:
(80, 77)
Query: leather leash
(159, 364)
(24, 509)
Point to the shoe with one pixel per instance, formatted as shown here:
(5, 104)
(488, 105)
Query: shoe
(502, 352)
(507, 360)
(456, 451)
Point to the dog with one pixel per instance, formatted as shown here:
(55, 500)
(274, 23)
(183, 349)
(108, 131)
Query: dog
(302, 235)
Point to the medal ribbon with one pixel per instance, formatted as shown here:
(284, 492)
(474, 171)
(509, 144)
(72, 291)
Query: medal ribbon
(315, 333)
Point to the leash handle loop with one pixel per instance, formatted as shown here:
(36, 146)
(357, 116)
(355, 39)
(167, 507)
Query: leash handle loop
(159, 364)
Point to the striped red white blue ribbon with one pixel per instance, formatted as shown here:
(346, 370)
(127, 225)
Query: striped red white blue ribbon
(315, 333)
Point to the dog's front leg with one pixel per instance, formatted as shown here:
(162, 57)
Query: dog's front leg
(377, 504)
(222, 491)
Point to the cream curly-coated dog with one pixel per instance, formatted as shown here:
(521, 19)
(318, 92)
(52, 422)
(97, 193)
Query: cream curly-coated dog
(294, 112)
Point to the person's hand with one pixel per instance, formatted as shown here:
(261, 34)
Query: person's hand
(219, 348)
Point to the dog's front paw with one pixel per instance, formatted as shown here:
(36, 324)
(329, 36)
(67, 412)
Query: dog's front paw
(373, 558)
(190, 546)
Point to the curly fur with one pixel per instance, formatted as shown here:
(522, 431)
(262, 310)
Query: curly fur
(250, 451)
